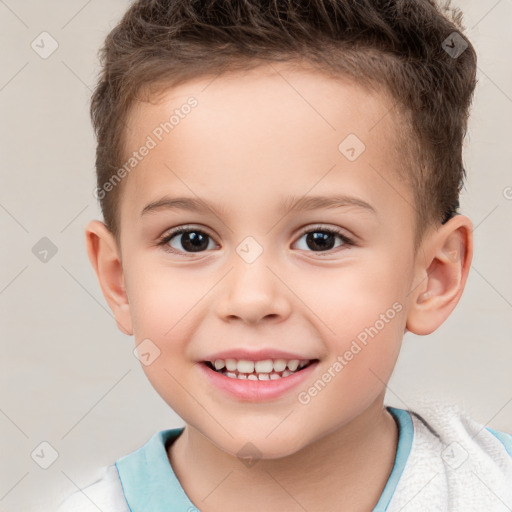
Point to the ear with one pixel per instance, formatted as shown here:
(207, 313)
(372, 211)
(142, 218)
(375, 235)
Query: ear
(105, 258)
(442, 267)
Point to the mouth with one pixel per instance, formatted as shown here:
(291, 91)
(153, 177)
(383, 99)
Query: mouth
(268, 369)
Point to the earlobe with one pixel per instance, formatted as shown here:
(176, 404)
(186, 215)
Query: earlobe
(442, 270)
(106, 261)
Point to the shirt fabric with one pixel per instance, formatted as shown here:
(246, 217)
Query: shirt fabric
(445, 462)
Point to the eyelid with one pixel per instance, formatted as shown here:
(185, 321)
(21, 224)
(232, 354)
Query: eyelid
(308, 228)
(185, 227)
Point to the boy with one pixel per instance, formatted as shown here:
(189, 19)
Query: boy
(279, 183)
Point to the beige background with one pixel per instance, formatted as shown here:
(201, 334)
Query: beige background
(68, 376)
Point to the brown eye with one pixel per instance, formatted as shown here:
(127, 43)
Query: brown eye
(322, 239)
(186, 240)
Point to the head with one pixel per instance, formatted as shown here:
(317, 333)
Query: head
(250, 112)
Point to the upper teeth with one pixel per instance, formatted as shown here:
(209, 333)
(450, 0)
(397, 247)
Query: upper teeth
(265, 366)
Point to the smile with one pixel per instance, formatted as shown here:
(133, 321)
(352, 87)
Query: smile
(268, 369)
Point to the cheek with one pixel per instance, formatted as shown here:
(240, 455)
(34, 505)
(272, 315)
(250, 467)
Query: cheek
(363, 317)
(164, 310)
(161, 299)
(163, 323)
(348, 299)
(361, 361)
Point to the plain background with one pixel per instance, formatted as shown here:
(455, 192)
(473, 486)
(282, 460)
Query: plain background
(69, 377)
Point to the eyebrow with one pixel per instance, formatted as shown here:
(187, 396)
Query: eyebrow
(291, 203)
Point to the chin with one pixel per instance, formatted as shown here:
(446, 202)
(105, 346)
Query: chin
(259, 446)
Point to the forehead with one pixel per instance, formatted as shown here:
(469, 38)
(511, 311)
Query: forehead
(273, 128)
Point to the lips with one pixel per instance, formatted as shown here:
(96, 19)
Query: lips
(256, 390)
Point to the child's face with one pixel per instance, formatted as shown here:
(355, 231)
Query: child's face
(252, 142)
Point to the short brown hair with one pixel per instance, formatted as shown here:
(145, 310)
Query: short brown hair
(401, 45)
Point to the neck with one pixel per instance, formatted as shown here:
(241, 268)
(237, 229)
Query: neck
(350, 465)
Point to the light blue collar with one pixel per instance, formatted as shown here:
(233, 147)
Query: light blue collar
(150, 485)
(405, 437)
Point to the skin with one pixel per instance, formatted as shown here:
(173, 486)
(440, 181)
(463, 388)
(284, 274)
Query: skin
(253, 140)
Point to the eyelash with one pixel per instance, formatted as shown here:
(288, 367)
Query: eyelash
(164, 240)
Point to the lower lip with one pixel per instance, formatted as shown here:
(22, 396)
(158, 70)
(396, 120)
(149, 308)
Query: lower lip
(257, 390)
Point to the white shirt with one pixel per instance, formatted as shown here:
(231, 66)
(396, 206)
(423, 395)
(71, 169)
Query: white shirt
(445, 462)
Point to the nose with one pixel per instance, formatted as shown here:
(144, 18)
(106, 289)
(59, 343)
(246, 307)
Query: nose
(253, 292)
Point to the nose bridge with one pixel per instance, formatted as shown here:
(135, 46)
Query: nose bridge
(252, 291)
